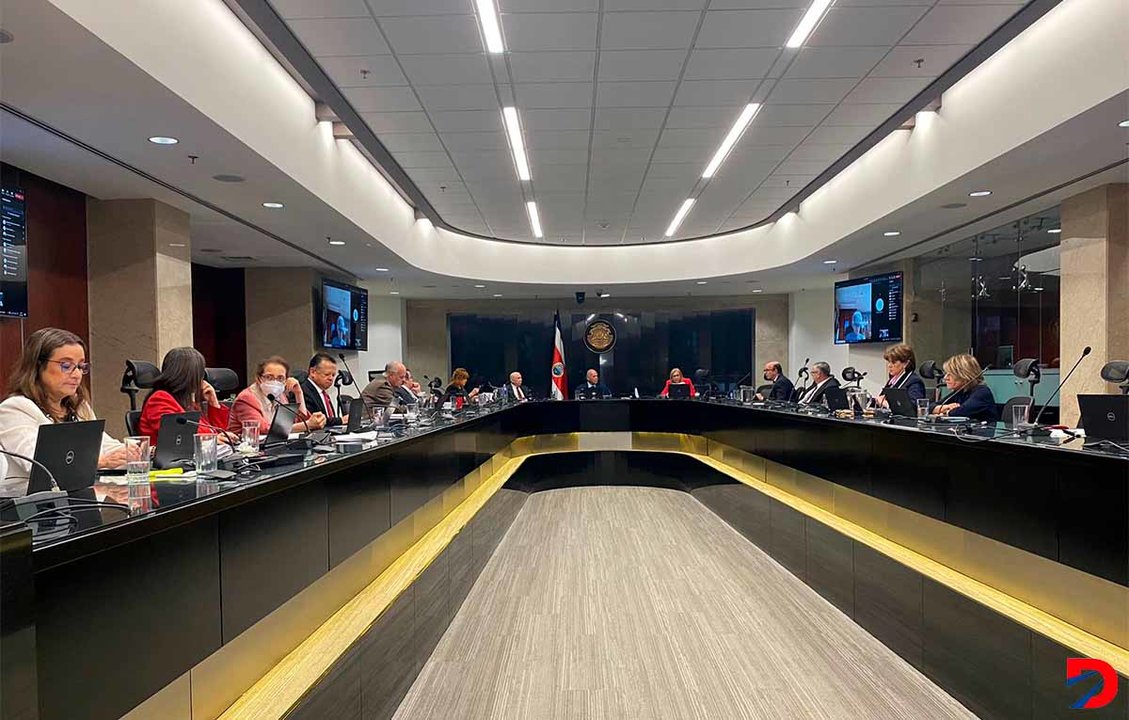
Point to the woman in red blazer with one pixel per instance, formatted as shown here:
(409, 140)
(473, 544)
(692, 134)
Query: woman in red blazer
(181, 388)
(677, 379)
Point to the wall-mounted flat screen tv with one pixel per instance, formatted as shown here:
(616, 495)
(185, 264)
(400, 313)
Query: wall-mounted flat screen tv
(13, 253)
(343, 316)
(869, 309)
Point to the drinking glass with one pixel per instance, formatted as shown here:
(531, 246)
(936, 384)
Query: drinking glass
(204, 453)
(249, 442)
(922, 407)
(1018, 415)
(137, 473)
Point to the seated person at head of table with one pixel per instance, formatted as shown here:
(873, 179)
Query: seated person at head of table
(821, 379)
(179, 388)
(676, 378)
(782, 387)
(457, 387)
(48, 385)
(900, 364)
(381, 392)
(971, 398)
(320, 376)
(515, 391)
(254, 404)
(592, 387)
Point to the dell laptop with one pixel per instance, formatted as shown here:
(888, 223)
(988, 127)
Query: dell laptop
(1105, 417)
(70, 451)
(174, 440)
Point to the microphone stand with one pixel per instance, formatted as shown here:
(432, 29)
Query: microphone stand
(352, 377)
(1085, 351)
(34, 463)
(231, 438)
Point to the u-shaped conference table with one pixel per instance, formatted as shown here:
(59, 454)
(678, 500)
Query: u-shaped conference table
(970, 557)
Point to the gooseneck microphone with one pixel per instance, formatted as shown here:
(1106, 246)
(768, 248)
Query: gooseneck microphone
(274, 401)
(231, 437)
(352, 379)
(35, 463)
(1085, 351)
(954, 392)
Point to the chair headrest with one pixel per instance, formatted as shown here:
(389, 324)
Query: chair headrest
(224, 380)
(1027, 368)
(344, 377)
(139, 374)
(300, 374)
(851, 375)
(928, 370)
(1116, 371)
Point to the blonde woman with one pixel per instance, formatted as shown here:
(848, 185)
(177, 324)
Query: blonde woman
(971, 398)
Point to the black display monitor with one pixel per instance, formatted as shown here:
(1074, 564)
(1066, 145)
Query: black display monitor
(13, 253)
(343, 316)
(869, 309)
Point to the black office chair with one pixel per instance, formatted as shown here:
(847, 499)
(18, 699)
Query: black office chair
(764, 390)
(928, 370)
(132, 420)
(223, 380)
(1017, 401)
(300, 375)
(139, 375)
(1117, 371)
(853, 376)
(1028, 369)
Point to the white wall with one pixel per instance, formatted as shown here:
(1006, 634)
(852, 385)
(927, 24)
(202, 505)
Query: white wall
(811, 319)
(385, 334)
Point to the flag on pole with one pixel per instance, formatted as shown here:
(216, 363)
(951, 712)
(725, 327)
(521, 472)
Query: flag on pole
(558, 389)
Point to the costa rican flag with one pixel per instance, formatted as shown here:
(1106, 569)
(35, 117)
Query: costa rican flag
(558, 390)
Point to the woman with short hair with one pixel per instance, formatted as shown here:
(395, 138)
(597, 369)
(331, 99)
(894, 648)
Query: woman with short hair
(971, 398)
(456, 389)
(272, 386)
(900, 364)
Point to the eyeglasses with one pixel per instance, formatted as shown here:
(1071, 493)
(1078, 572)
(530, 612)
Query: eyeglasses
(275, 378)
(69, 367)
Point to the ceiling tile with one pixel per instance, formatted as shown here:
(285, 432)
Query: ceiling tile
(959, 24)
(456, 69)
(736, 64)
(556, 119)
(398, 122)
(627, 138)
(681, 172)
(295, 9)
(902, 60)
(423, 141)
(558, 6)
(839, 62)
(819, 153)
(760, 4)
(839, 134)
(702, 117)
(539, 32)
(392, 8)
(700, 155)
(626, 157)
(475, 141)
(627, 118)
(457, 97)
(641, 64)
(433, 34)
(774, 135)
(795, 182)
(618, 5)
(802, 167)
(779, 114)
(648, 30)
(811, 91)
(691, 137)
(467, 120)
(875, 26)
(408, 160)
(886, 90)
(362, 71)
(340, 37)
(870, 116)
(634, 94)
(558, 140)
(381, 99)
(553, 95)
(561, 66)
(549, 158)
(715, 92)
(747, 28)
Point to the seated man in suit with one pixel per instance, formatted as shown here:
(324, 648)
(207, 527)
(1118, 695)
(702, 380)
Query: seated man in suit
(381, 392)
(782, 387)
(315, 389)
(821, 380)
(514, 389)
(408, 391)
(592, 387)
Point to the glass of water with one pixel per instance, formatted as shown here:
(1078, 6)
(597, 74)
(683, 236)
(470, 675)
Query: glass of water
(204, 453)
(249, 442)
(922, 407)
(137, 474)
(1018, 415)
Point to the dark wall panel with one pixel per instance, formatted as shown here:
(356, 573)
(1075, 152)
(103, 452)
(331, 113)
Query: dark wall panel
(219, 319)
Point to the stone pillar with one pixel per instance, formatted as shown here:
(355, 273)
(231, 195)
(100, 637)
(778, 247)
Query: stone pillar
(280, 315)
(1095, 289)
(140, 291)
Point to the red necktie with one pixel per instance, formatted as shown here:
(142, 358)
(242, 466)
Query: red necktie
(328, 405)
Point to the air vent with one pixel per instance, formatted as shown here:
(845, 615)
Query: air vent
(227, 178)
(210, 251)
(237, 258)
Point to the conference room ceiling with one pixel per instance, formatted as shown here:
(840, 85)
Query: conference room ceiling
(623, 102)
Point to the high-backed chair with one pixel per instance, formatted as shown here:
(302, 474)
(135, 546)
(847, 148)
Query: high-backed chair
(223, 380)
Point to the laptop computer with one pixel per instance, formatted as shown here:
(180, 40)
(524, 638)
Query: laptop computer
(1105, 417)
(900, 403)
(70, 451)
(174, 440)
(836, 398)
(678, 391)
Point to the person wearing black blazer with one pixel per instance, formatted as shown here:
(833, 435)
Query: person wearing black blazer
(821, 379)
(315, 389)
(592, 388)
(782, 387)
(900, 364)
(971, 398)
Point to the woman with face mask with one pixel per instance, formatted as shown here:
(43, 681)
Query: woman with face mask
(273, 385)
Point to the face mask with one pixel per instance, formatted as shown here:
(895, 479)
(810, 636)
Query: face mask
(273, 387)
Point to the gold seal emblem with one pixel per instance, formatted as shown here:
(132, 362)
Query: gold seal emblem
(599, 336)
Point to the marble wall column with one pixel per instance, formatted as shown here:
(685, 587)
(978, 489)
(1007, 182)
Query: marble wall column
(1095, 288)
(280, 315)
(140, 292)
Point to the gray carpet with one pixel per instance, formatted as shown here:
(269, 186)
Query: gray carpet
(640, 603)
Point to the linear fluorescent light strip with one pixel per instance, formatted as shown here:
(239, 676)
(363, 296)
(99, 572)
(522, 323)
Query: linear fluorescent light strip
(534, 218)
(679, 217)
(491, 30)
(513, 132)
(808, 23)
(735, 133)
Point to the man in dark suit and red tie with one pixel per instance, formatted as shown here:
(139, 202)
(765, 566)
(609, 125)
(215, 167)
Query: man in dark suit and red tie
(315, 389)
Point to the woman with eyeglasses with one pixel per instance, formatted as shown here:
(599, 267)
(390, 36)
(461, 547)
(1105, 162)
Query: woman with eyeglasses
(48, 385)
(273, 385)
(181, 388)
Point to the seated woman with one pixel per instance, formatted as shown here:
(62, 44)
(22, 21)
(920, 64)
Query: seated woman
(457, 391)
(971, 398)
(677, 379)
(272, 379)
(48, 385)
(900, 364)
(181, 388)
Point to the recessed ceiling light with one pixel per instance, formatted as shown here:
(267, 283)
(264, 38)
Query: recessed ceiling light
(1123, 124)
(891, 233)
(980, 193)
(830, 262)
(163, 140)
(976, 259)
(757, 290)
(335, 242)
(702, 282)
(228, 178)
(491, 30)
(534, 219)
(382, 269)
(178, 245)
(394, 292)
(273, 205)
(1055, 231)
(953, 206)
(480, 286)
(731, 138)
(679, 217)
(517, 144)
(1038, 289)
(808, 23)
(497, 294)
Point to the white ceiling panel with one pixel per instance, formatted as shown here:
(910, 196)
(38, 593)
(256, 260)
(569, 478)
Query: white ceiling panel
(747, 28)
(520, 6)
(773, 135)
(959, 24)
(382, 99)
(633, 138)
(618, 5)
(356, 36)
(627, 118)
(559, 66)
(557, 140)
(648, 30)
(819, 153)
(556, 119)
(715, 92)
(433, 34)
(297, 9)
(457, 97)
(869, 116)
(634, 94)
(794, 182)
(735, 64)
(802, 167)
(546, 160)
(903, 61)
(424, 141)
(641, 64)
(393, 8)
(363, 70)
(838, 134)
(702, 117)
(780, 114)
(874, 26)
(398, 122)
(699, 155)
(467, 120)
(553, 95)
(452, 69)
(811, 91)
(674, 171)
(691, 137)
(838, 62)
(886, 90)
(409, 160)
(475, 141)
(540, 32)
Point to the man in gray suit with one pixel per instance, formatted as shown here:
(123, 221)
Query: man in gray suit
(381, 392)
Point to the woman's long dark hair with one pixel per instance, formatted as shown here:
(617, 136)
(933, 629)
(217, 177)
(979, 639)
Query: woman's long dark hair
(25, 375)
(182, 375)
